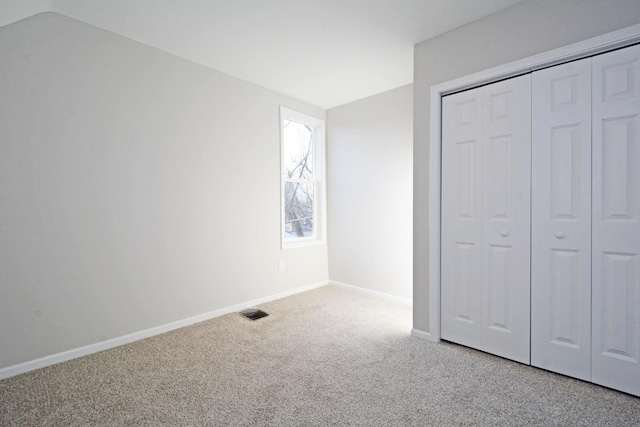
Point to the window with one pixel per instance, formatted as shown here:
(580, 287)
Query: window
(302, 164)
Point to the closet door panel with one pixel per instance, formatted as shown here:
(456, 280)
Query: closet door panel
(461, 218)
(616, 220)
(506, 218)
(561, 219)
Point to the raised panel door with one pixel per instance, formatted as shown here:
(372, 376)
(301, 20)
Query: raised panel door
(506, 180)
(561, 219)
(616, 220)
(461, 218)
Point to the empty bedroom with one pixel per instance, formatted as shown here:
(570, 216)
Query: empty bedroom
(297, 212)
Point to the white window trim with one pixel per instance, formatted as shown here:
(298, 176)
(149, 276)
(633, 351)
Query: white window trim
(593, 46)
(319, 163)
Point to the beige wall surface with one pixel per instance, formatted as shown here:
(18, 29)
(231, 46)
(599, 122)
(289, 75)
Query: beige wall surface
(136, 189)
(370, 173)
(526, 29)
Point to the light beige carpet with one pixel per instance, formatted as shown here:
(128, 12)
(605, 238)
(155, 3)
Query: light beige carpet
(325, 357)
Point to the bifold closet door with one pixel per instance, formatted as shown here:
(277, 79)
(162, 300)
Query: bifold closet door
(561, 219)
(616, 220)
(461, 272)
(486, 167)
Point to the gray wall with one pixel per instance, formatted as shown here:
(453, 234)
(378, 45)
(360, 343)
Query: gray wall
(370, 192)
(136, 189)
(528, 28)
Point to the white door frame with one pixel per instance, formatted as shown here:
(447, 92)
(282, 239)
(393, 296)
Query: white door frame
(617, 39)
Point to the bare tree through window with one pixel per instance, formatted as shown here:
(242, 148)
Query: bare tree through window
(299, 184)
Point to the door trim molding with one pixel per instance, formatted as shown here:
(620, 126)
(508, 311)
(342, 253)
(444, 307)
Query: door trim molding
(593, 46)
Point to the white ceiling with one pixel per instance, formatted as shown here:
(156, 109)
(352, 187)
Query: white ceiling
(325, 52)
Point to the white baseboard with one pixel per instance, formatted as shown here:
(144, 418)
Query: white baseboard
(386, 296)
(64, 356)
(422, 335)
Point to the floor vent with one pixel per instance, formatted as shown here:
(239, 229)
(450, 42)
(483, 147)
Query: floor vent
(254, 313)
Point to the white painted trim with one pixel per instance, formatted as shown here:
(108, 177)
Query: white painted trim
(593, 46)
(435, 158)
(617, 39)
(388, 297)
(319, 236)
(53, 359)
(422, 335)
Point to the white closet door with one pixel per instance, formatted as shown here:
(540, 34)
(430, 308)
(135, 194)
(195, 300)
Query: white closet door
(485, 218)
(506, 190)
(461, 218)
(616, 220)
(561, 219)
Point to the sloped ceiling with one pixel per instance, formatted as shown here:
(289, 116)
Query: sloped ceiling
(324, 52)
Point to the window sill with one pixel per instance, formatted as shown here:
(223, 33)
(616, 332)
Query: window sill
(302, 244)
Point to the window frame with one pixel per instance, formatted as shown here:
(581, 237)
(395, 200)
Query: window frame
(319, 194)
